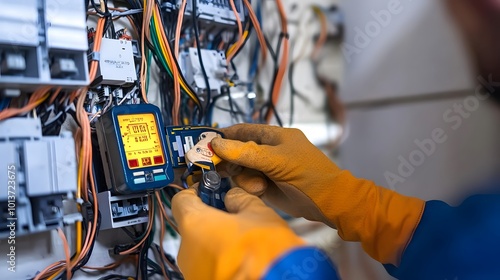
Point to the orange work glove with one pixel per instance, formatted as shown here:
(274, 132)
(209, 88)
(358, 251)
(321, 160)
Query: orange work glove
(240, 244)
(304, 182)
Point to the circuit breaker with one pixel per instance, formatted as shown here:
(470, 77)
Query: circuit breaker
(43, 42)
(215, 66)
(216, 11)
(122, 210)
(42, 173)
(116, 63)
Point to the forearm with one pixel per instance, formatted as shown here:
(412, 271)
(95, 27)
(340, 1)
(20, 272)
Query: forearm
(382, 220)
(454, 242)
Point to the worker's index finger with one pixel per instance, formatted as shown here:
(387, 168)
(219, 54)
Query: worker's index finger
(247, 154)
(258, 133)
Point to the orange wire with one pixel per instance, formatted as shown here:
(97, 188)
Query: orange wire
(175, 71)
(86, 149)
(239, 43)
(97, 47)
(54, 95)
(323, 34)
(108, 266)
(43, 273)
(162, 209)
(148, 229)
(258, 30)
(162, 235)
(283, 63)
(175, 186)
(144, 33)
(163, 215)
(177, 85)
(66, 252)
(35, 99)
(221, 45)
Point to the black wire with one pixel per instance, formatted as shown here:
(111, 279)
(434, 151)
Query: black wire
(250, 28)
(200, 58)
(97, 9)
(270, 48)
(229, 111)
(129, 233)
(226, 91)
(235, 76)
(115, 277)
(293, 91)
(275, 76)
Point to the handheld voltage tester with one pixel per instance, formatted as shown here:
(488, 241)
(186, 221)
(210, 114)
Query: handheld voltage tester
(133, 149)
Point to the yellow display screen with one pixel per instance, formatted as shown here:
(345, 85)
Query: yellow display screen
(141, 140)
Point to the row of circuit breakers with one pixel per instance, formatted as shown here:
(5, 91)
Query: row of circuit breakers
(134, 154)
(45, 42)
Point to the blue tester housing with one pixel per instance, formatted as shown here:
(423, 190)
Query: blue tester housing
(133, 149)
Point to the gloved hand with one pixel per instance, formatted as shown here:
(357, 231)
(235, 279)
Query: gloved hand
(303, 182)
(240, 244)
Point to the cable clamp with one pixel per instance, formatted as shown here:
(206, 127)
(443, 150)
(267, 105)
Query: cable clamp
(285, 35)
(94, 56)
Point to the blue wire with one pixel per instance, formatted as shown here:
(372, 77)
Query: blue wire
(254, 66)
(4, 103)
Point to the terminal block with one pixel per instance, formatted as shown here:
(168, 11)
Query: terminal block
(122, 210)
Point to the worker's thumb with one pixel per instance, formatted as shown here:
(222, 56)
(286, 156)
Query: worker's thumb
(237, 200)
(186, 204)
(247, 154)
(252, 181)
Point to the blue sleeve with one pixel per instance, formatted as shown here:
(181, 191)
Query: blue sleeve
(302, 263)
(454, 242)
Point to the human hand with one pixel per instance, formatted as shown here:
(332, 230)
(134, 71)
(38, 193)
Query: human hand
(303, 182)
(240, 244)
(281, 166)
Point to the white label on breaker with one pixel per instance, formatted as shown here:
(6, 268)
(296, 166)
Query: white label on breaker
(178, 145)
(189, 143)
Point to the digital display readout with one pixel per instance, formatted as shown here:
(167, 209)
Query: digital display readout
(141, 140)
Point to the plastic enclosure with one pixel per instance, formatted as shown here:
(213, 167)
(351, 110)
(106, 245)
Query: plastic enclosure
(215, 66)
(122, 210)
(120, 178)
(116, 63)
(43, 170)
(46, 46)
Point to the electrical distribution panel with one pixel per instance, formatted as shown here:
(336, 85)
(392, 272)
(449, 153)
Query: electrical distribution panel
(43, 42)
(42, 173)
(215, 66)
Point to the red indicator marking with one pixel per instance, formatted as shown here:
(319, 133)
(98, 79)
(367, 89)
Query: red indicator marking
(158, 159)
(209, 146)
(133, 163)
